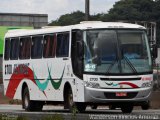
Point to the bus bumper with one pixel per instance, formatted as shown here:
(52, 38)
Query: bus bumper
(109, 95)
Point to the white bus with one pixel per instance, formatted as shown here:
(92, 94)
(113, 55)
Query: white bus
(91, 63)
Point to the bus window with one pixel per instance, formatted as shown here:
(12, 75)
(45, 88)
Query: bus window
(37, 45)
(14, 51)
(25, 46)
(77, 53)
(49, 46)
(7, 49)
(62, 45)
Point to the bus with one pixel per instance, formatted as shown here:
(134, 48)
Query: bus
(87, 64)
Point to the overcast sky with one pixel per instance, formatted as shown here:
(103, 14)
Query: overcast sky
(54, 8)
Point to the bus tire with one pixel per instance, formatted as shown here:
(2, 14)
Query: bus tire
(81, 107)
(94, 107)
(127, 108)
(145, 105)
(112, 107)
(73, 106)
(28, 104)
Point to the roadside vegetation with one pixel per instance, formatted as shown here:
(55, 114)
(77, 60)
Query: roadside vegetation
(53, 117)
(123, 10)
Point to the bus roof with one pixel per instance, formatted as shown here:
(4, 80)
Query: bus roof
(83, 25)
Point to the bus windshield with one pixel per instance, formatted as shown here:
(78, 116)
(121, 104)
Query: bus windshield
(116, 52)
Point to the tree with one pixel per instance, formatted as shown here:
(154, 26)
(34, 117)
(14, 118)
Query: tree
(69, 19)
(125, 10)
(135, 10)
(132, 10)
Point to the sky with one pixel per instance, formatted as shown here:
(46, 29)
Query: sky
(54, 8)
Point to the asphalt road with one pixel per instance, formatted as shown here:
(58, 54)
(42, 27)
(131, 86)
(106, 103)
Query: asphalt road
(15, 111)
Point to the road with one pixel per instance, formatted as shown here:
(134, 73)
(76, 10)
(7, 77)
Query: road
(14, 111)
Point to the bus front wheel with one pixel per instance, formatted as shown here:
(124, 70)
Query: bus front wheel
(28, 104)
(73, 106)
(146, 105)
(127, 108)
(94, 107)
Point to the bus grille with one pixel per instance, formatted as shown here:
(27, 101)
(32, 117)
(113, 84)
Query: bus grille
(120, 79)
(130, 95)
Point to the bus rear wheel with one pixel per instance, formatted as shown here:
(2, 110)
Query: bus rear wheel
(28, 104)
(73, 106)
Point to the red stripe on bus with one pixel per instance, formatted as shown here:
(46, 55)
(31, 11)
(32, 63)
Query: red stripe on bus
(130, 84)
(16, 79)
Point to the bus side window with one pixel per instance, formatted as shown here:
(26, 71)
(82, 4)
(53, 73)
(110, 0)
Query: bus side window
(7, 49)
(25, 47)
(62, 49)
(14, 50)
(37, 46)
(49, 46)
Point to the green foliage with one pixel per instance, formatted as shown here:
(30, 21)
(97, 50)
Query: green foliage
(74, 18)
(22, 118)
(54, 117)
(97, 17)
(18, 102)
(136, 10)
(132, 10)
(125, 10)
(69, 19)
(74, 113)
(12, 117)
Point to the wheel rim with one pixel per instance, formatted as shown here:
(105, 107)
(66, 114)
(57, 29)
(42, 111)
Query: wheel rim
(26, 100)
(70, 99)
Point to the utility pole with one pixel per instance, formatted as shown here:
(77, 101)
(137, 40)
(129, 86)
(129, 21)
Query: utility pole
(87, 10)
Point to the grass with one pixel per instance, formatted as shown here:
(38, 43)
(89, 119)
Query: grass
(53, 117)
(6, 100)
(3, 99)
(22, 118)
(12, 117)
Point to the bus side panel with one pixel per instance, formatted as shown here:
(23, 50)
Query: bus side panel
(80, 90)
(7, 72)
(63, 71)
(34, 92)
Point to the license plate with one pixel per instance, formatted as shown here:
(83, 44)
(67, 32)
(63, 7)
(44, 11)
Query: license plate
(121, 94)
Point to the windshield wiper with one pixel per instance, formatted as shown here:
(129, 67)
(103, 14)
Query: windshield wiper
(130, 64)
(110, 67)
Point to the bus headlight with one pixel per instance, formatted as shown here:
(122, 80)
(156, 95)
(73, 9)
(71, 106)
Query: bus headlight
(147, 84)
(92, 84)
